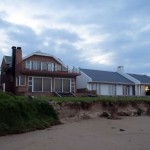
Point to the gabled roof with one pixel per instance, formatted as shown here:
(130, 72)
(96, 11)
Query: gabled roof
(144, 79)
(106, 76)
(8, 59)
(39, 53)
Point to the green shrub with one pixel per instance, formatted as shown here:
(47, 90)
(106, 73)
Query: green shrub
(21, 115)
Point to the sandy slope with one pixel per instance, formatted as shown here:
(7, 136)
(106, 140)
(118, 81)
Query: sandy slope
(92, 134)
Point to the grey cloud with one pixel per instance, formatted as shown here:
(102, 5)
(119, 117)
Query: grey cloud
(61, 34)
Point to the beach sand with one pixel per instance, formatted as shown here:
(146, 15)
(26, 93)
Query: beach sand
(91, 134)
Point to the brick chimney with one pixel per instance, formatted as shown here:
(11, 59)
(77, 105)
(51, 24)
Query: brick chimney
(16, 60)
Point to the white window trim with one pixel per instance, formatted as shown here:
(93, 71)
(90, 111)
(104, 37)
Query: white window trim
(63, 83)
(19, 84)
(42, 83)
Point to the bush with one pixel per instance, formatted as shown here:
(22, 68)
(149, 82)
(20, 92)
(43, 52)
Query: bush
(21, 115)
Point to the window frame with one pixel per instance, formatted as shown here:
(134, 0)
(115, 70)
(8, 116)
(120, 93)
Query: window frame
(18, 80)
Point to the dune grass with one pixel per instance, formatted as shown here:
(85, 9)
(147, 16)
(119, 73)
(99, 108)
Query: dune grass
(22, 114)
(92, 99)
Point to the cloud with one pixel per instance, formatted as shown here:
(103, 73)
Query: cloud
(91, 34)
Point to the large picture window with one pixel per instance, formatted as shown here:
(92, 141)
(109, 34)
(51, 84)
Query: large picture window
(58, 85)
(66, 85)
(39, 84)
(46, 84)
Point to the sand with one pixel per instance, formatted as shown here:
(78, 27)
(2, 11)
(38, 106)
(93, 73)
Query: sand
(91, 134)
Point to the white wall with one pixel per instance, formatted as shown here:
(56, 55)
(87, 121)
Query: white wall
(104, 89)
(143, 90)
(119, 90)
(82, 80)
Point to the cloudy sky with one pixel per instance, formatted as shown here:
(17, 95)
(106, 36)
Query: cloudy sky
(94, 34)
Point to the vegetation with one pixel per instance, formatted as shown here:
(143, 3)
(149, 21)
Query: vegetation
(93, 99)
(22, 114)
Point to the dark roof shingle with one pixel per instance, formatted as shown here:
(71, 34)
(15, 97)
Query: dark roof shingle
(8, 59)
(142, 78)
(106, 76)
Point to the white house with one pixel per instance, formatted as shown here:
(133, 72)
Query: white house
(114, 83)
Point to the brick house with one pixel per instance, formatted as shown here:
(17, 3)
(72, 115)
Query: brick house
(36, 74)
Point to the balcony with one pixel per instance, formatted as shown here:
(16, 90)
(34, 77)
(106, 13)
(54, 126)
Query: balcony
(56, 73)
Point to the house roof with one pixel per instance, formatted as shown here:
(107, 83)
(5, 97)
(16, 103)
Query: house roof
(106, 76)
(44, 54)
(144, 79)
(8, 59)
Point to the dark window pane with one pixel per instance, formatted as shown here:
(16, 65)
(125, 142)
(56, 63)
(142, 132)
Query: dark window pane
(58, 85)
(66, 85)
(22, 80)
(46, 84)
(37, 84)
(44, 66)
(38, 65)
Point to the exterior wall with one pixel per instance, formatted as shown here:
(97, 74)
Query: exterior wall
(23, 89)
(6, 78)
(143, 93)
(82, 81)
(104, 89)
(111, 89)
(12, 79)
(43, 59)
(119, 90)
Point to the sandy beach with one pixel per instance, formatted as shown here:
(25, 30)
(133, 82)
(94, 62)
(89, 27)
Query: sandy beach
(129, 133)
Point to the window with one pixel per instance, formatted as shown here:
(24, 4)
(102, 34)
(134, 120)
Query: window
(46, 84)
(30, 84)
(20, 80)
(34, 66)
(112, 89)
(37, 84)
(27, 65)
(38, 65)
(58, 85)
(72, 86)
(126, 90)
(66, 85)
(17, 81)
(44, 66)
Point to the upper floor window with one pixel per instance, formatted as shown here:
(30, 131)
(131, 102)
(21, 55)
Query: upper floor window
(27, 64)
(44, 66)
(37, 65)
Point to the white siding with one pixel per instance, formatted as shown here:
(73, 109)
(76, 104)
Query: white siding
(143, 90)
(119, 90)
(82, 81)
(131, 91)
(104, 89)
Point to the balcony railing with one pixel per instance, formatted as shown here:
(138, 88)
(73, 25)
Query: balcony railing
(59, 72)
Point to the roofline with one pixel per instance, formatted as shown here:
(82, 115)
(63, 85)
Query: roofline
(145, 83)
(44, 54)
(111, 82)
(6, 60)
(86, 75)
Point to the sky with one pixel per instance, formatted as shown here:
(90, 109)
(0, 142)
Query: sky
(91, 34)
